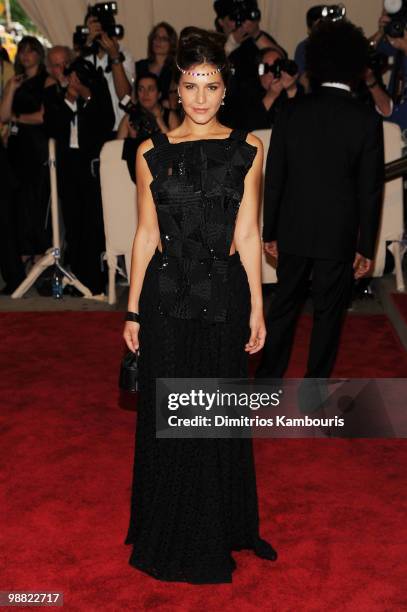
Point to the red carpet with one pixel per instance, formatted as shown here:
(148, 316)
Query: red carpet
(335, 510)
(400, 299)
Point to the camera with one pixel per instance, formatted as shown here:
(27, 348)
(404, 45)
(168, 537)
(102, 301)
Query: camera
(104, 12)
(334, 12)
(140, 119)
(244, 10)
(237, 10)
(378, 62)
(279, 66)
(397, 11)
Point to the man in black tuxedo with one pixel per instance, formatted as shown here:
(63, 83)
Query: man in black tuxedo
(81, 118)
(322, 200)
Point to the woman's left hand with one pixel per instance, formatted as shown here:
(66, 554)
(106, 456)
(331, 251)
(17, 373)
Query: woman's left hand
(258, 332)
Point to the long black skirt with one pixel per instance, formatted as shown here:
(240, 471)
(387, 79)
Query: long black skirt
(193, 500)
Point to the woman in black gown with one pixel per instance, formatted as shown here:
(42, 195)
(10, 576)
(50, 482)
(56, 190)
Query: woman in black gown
(22, 105)
(195, 295)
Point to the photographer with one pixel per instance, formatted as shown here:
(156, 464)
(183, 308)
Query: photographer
(144, 118)
(277, 81)
(106, 53)
(81, 121)
(239, 20)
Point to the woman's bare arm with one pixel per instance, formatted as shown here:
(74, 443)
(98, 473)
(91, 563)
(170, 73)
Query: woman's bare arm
(247, 232)
(147, 234)
(248, 242)
(145, 242)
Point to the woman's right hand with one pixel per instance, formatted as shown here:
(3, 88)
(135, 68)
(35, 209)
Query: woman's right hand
(16, 81)
(130, 335)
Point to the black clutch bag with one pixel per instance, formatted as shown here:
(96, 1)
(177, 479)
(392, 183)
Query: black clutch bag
(129, 369)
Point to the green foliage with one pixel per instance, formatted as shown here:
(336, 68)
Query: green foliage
(18, 14)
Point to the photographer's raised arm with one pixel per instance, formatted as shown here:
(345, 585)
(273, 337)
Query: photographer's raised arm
(122, 83)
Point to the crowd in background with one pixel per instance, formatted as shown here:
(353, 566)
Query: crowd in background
(96, 92)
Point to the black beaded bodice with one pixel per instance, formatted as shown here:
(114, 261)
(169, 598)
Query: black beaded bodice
(197, 189)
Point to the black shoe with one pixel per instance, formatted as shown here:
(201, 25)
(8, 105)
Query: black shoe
(264, 550)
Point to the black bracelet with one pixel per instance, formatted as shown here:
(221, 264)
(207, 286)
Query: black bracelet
(132, 316)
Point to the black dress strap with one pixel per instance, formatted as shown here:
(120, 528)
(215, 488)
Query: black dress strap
(238, 134)
(158, 138)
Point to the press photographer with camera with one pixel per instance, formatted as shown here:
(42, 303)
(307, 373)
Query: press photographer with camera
(99, 43)
(239, 20)
(277, 81)
(391, 40)
(81, 121)
(145, 115)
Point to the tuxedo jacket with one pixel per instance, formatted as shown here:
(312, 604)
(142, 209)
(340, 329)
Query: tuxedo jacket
(324, 177)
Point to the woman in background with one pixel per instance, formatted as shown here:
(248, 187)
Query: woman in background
(146, 117)
(162, 46)
(22, 106)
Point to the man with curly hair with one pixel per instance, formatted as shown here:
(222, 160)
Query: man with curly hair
(323, 197)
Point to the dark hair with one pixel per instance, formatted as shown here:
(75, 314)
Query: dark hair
(34, 45)
(197, 46)
(263, 52)
(313, 14)
(147, 75)
(336, 51)
(172, 35)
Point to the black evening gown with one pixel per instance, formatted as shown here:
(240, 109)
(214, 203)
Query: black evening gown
(194, 500)
(28, 156)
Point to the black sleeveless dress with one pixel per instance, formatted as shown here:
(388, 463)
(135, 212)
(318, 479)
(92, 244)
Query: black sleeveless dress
(194, 500)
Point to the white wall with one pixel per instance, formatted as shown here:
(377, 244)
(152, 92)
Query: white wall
(284, 19)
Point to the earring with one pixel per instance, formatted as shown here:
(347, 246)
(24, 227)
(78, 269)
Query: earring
(223, 102)
(179, 98)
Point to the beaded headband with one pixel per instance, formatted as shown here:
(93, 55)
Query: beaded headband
(191, 73)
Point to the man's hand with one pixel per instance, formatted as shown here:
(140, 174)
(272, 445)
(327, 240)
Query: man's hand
(110, 45)
(383, 21)
(271, 248)
(399, 43)
(76, 86)
(240, 34)
(362, 266)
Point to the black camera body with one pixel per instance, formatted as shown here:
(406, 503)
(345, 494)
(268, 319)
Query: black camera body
(237, 10)
(279, 66)
(333, 12)
(244, 10)
(140, 119)
(105, 13)
(377, 62)
(397, 11)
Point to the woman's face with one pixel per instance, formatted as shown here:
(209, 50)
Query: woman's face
(201, 96)
(28, 57)
(147, 93)
(161, 42)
